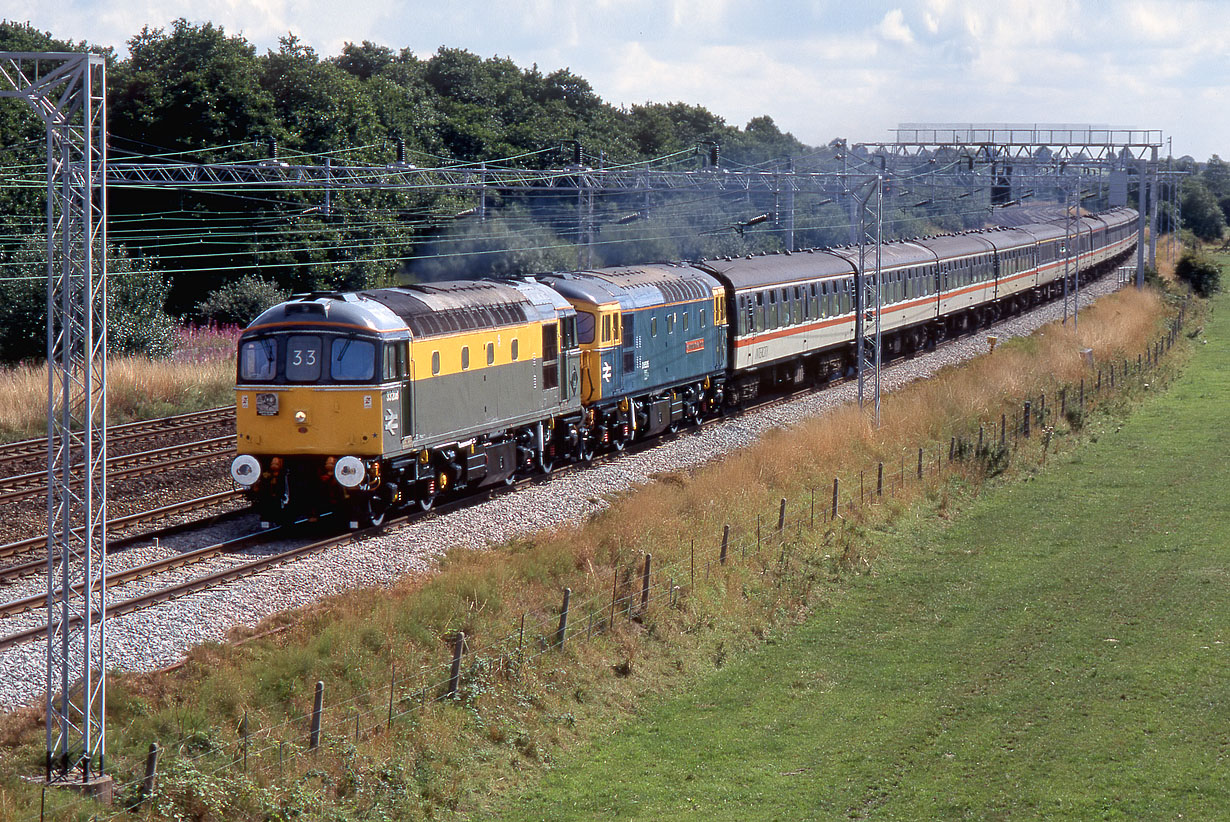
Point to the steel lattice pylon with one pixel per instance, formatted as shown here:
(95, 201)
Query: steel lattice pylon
(68, 92)
(867, 290)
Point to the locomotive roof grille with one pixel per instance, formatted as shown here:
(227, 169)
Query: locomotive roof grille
(445, 308)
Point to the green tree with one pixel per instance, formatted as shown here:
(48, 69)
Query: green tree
(1201, 213)
(1200, 271)
(239, 302)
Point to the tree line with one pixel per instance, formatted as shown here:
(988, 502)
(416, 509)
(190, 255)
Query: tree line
(193, 92)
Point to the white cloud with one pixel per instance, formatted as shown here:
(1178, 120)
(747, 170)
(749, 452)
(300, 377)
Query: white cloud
(819, 67)
(894, 28)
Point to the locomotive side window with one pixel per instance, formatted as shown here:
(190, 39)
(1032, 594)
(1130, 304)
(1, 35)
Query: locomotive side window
(352, 360)
(395, 360)
(704, 317)
(606, 328)
(258, 360)
(516, 349)
(490, 353)
(303, 358)
(435, 363)
(465, 357)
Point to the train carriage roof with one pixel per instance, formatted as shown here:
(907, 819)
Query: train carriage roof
(773, 270)
(1044, 232)
(956, 245)
(635, 286)
(893, 255)
(1008, 239)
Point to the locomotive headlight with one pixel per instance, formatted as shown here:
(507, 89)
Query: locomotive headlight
(245, 470)
(349, 471)
(300, 417)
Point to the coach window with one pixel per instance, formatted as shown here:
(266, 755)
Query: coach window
(435, 363)
(303, 358)
(515, 349)
(465, 357)
(585, 327)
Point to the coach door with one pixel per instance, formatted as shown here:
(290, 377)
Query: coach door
(550, 362)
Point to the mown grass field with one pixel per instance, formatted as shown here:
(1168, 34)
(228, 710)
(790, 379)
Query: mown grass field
(1061, 651)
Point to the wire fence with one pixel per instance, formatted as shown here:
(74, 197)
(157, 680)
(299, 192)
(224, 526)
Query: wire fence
(791, 549)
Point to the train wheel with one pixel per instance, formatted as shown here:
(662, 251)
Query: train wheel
(377, 510)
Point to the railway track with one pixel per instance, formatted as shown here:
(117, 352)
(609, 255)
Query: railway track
(248, 568)
(14, 453)
(16, 571)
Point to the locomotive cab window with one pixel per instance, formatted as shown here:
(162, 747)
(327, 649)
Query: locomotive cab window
(606, 328)
(585, 327)
(303, 358)
(353, 360)
(258, 360)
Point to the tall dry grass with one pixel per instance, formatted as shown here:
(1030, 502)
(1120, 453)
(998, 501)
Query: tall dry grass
(354, 641)
(199, 374)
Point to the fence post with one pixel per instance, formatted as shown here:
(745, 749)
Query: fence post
(879, 479)
(615, 591)
(1112, 376)
(1063, 402)
(151, 774)
(1042, 409)
(725, 542)
(1025, 418)
(813, 508)
(979, 451)
(758, 534)
(392, 685)
(1003, 429)
(243, 735)
(835, 495)
(562, 632)
(781, 516)
(318, 706)
(1082, 398)
(1098, 385)
(645, 584)
(920, 464)
(454, 674)
(952, 449)
(693, 555)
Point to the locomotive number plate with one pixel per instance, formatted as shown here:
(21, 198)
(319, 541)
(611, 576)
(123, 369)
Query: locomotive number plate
(267, 405)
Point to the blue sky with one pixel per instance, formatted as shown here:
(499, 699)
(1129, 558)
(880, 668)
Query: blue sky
(820, 69)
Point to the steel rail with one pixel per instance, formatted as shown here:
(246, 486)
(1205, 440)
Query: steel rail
(26, 546)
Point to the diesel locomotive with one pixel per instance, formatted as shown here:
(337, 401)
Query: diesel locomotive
(367, 401)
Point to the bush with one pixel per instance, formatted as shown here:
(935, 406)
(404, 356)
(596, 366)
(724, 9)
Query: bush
(1199, 271)
(239, 302)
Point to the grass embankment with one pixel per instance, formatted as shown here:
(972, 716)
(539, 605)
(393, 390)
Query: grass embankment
(199, 374)
(512, 720)
(1060, 651)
